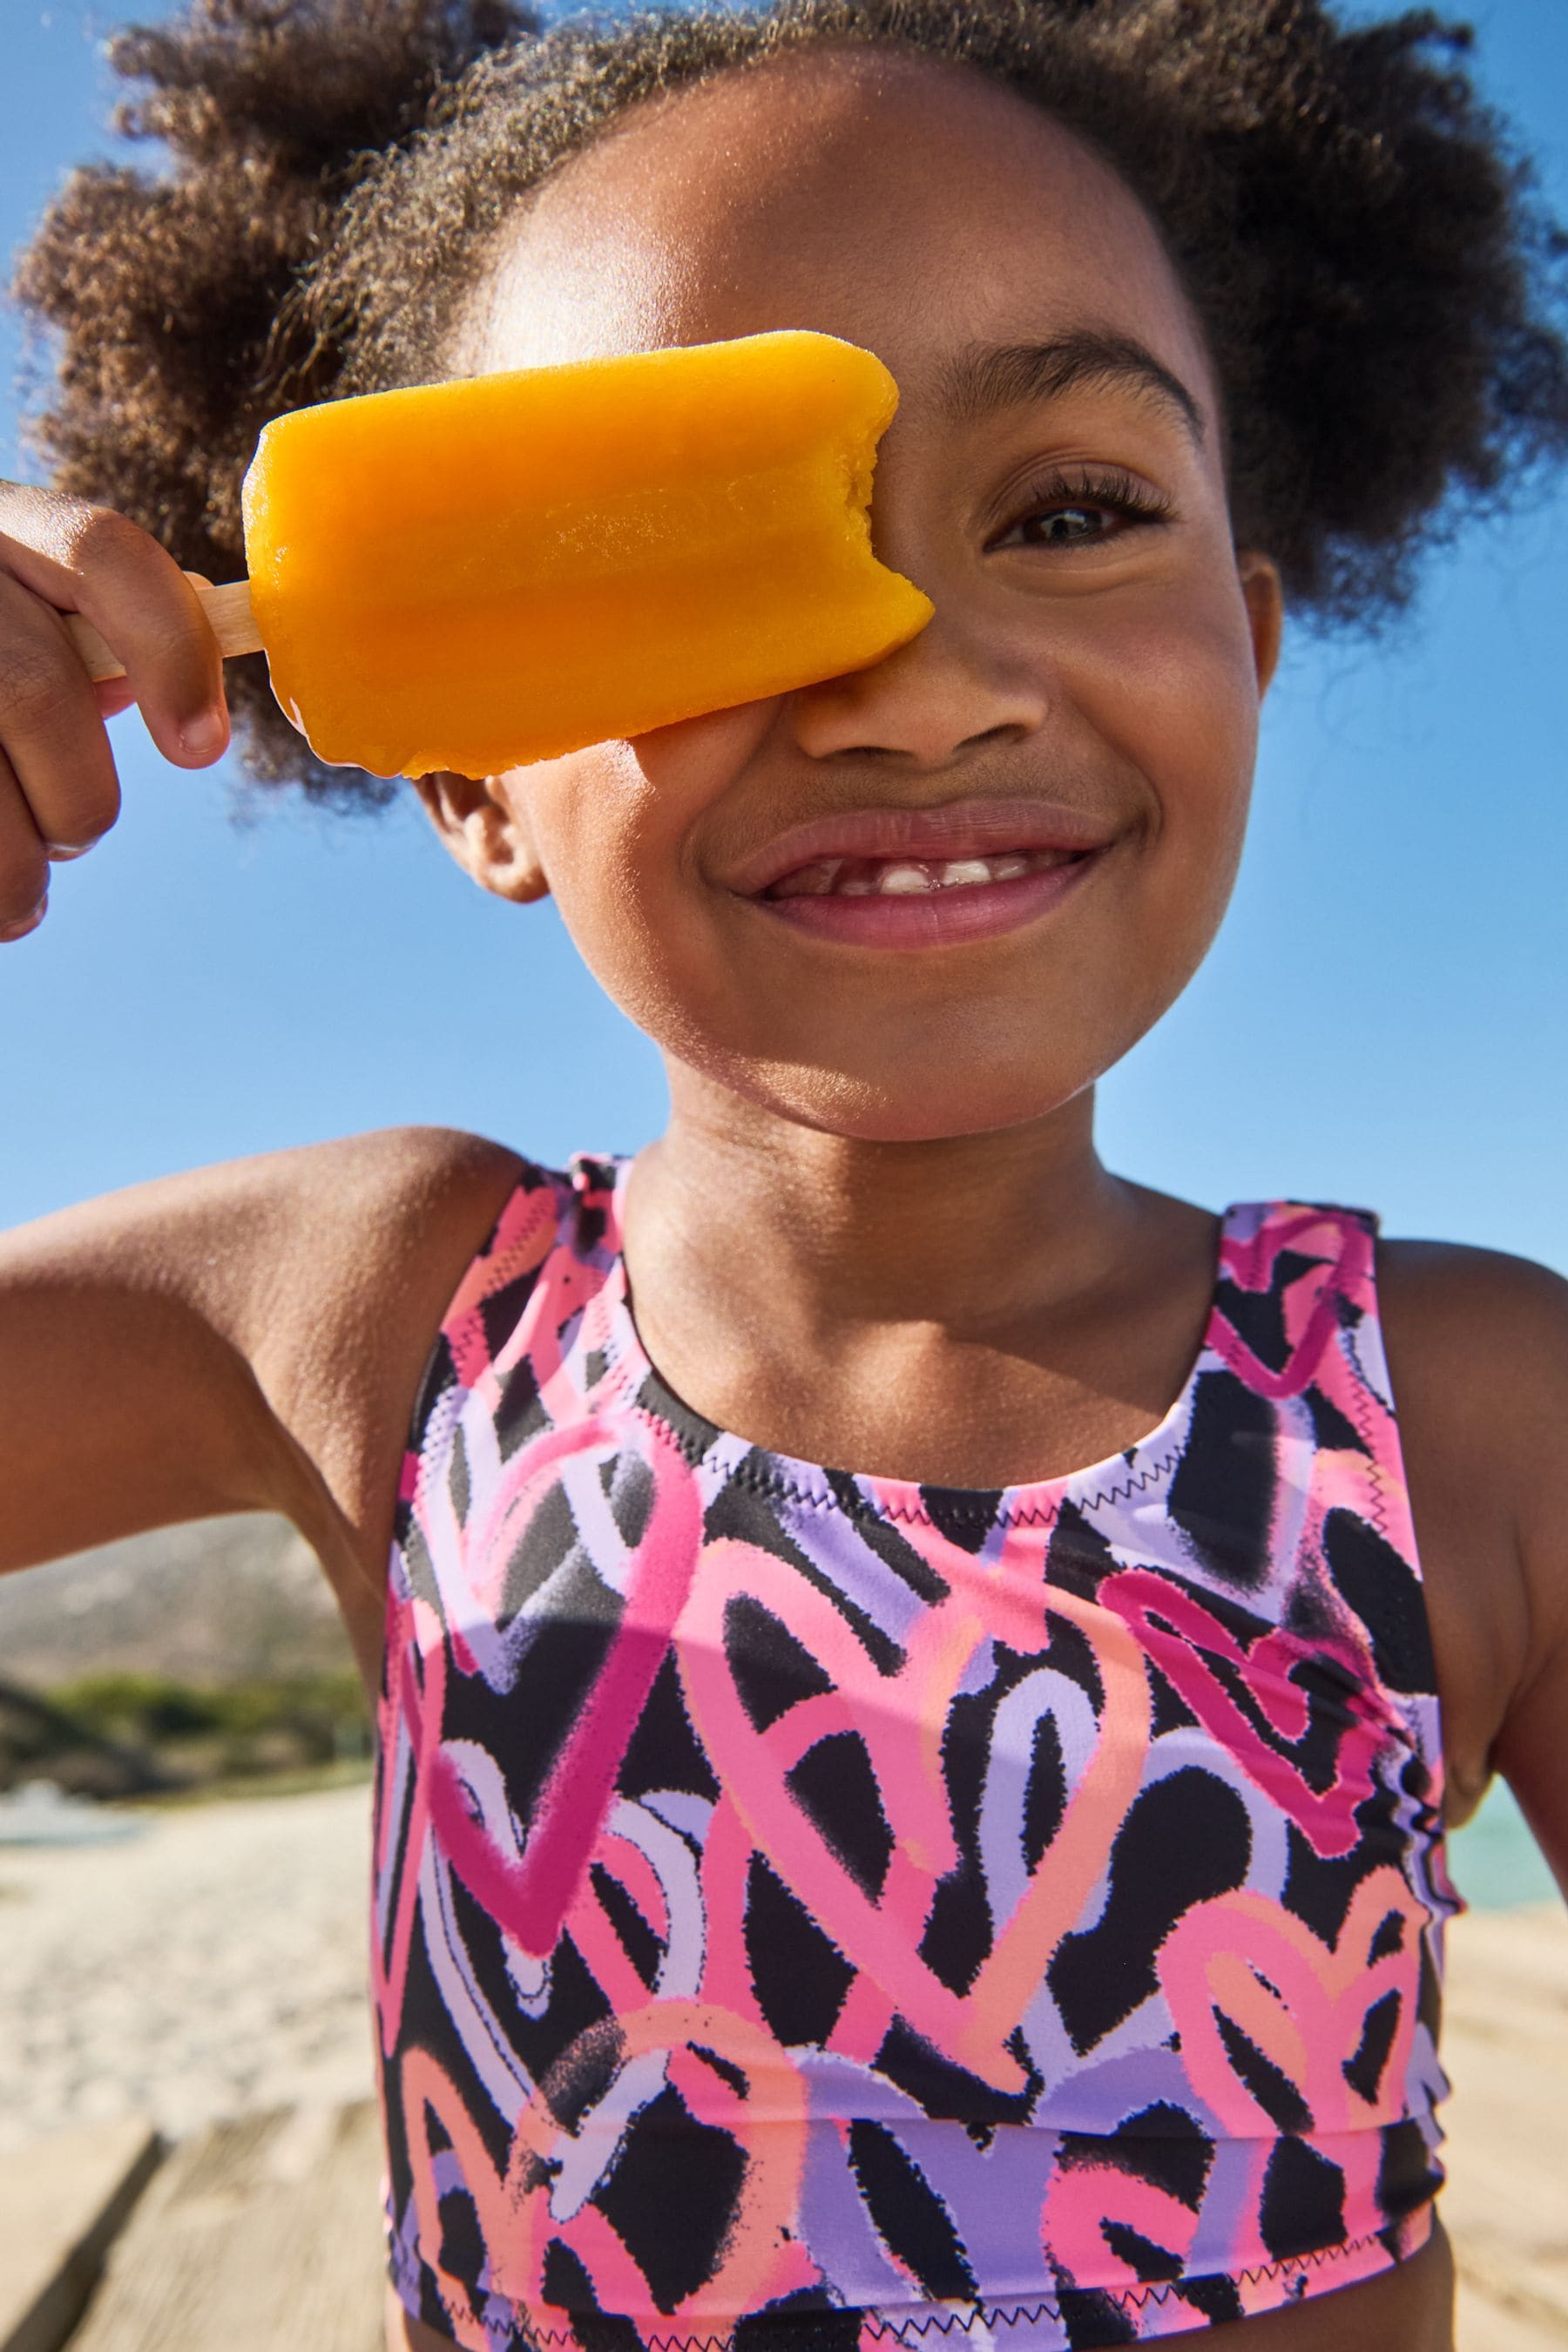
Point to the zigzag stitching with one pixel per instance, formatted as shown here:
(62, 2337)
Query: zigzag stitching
(1044, 1514)
(1130, 2298)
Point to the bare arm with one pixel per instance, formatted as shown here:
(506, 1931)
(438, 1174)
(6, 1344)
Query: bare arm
(247, 1337)
(1478, 1353)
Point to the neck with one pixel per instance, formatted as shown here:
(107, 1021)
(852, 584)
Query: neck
(969, 1233)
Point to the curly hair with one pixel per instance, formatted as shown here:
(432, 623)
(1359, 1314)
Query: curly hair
(1379, 282)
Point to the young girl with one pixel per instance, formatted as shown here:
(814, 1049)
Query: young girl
(845, 1868)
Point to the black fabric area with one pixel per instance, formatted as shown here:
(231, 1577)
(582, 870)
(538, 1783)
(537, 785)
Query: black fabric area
(691, 1432)
(426, 2025)
(964, 1515)
(577, 2002)
(1258, 1316)
(957, 1933)
(458, 1486)
(1429, 1999)
(1094, 2319)
(439, 1374)
(799, 1977)
(1389, 1939)
(504, 1310)
(1171, 1711)
(628, 1484)
(1309, 1612)
(725, 2068)
(1154, 2264)
(1302, 2209)
(802, 2325)
(1045, 1791)
(1069, 1651)
(520, 1413)
(664, 1753)
(416, 1559)
(1275, 2093)
(748, 1515)
(1184, 1840)
(1217, 2297)
(549, 1548)
(567, 2284)
(1320, 1888)
(909, 2216)
(1328, 1689)
(641, 1945)
(1408, 2176)
(949, 2093)
(1222, 1490)
(671, 2196)
(1163, 2145)
(528, 1725)
(1077, 1557)
(770, 1668)
(1333, 1430)
(462, 2253)
(1378, 1584)
(836, 1788)
(1363, 2073)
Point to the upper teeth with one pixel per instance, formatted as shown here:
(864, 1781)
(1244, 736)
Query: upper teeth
(894, 878)
(904, 881)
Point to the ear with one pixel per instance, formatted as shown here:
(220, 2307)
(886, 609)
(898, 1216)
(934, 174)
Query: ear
(1264, 594)
(484, 823)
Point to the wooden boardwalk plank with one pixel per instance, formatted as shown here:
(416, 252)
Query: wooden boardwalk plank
(261, 2235)
(62, 2202)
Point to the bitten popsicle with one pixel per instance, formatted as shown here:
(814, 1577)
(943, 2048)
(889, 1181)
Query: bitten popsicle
(477, 574)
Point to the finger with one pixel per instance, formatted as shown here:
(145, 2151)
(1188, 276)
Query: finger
(24, 862)
(50, 730)
(113, 696)
(86, 558)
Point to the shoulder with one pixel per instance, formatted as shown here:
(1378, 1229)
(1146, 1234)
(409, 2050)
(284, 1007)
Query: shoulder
(1477, 1349)
(1480, 1337)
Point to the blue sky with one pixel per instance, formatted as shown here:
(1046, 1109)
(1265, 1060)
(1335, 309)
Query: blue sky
(1385, 1019)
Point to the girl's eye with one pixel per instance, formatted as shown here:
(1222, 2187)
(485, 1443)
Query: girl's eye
(1081, 509)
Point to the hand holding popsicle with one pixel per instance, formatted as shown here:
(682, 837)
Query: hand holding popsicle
(475, 574)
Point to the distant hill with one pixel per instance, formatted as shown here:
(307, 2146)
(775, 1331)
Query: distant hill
(220, 1601)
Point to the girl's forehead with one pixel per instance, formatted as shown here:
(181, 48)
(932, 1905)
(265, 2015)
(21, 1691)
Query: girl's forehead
(907, 203)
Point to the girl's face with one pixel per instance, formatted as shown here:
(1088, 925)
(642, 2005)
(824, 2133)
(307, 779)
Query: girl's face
(1085, 699)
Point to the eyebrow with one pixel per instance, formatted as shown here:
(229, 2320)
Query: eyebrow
(989, 376)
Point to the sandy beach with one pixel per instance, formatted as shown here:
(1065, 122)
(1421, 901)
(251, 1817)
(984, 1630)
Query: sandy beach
(213, 1964)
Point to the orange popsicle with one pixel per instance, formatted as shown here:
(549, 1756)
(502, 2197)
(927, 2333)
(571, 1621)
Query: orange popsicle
(475, 574)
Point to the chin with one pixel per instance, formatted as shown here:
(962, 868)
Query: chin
(866, 1110)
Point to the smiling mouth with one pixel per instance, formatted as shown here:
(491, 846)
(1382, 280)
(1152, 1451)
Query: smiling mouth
(948, 875)
(910, 878)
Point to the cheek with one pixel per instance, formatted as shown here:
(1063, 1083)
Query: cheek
(613, 826)
(1173, 691)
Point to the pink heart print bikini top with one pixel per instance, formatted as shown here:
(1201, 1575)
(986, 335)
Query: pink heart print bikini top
(812, 1907)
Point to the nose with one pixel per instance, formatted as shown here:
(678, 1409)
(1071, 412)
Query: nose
(950, 691)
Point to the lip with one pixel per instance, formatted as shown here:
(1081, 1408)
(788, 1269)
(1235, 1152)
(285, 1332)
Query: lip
(957, 829)
(942, 917)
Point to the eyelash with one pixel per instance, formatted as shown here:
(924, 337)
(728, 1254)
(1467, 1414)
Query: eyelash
(1112, 490)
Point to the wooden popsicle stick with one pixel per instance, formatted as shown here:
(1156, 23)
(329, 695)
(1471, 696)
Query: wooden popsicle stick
(227, 608)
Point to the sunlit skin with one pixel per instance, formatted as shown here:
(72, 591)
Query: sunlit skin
(876, 1234)
(1118, 675)
(876, 1231)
